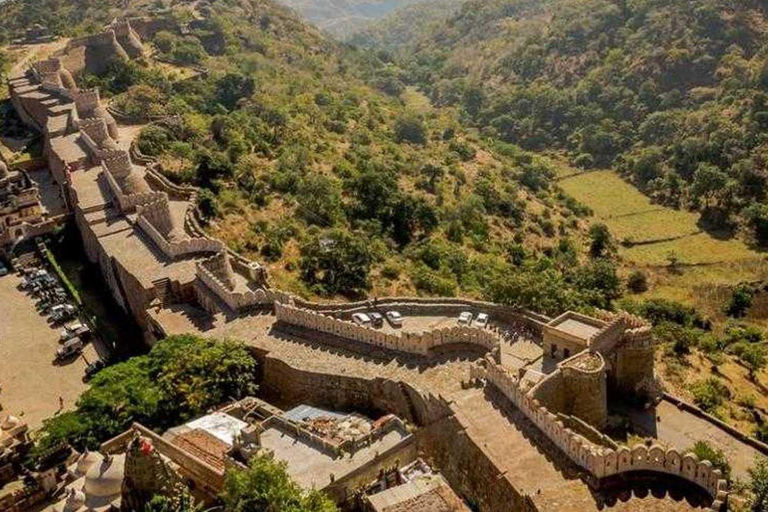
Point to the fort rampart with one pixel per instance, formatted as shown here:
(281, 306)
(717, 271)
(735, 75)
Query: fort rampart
(600, 462)
(414, 343)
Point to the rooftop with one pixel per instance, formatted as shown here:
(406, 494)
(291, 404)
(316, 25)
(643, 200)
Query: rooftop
(576, 325)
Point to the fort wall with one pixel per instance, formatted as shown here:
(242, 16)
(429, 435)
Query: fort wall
(283, 383)
(598, 461)
(413, 343)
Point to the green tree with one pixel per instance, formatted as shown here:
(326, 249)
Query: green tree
(717, 457)
(265, 486)
(182, 377)
(740, 302)
(411, 129)
(708, 182)
(337, 262)
(758, 476)
(637, 281)
(600, 240)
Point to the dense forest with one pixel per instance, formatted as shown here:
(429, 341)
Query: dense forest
(670, 93)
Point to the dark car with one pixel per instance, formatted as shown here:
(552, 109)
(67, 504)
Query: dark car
(377, 320)
(93, 368)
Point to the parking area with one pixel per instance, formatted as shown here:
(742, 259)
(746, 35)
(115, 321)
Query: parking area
(32, 381)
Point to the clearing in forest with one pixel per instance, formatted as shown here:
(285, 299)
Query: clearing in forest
(654, 231)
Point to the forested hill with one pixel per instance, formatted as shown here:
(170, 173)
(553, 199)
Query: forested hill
(315, 160)
(672, 93)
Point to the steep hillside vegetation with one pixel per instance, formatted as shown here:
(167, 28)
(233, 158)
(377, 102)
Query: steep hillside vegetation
(341, 188)
(671, 93)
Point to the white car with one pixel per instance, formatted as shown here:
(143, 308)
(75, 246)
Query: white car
(465, 318)
(361, 319)
(395, 318)
(481, 320)
(72, 331)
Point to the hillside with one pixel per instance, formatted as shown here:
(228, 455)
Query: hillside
(343, 17)
(342, 187)
(671, 94)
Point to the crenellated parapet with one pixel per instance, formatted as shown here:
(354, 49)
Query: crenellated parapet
(88, 106)
(421, 343)
(128, 38)
(156, 221)
(599, 461)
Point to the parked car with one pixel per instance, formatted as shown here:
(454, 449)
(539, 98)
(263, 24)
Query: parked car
(69, 349)
(63, 312)
(377, 320)
(76, 330)
(395, 318)
(465, 318)
(361, 319)
(3, 269)
(481, 320)
(93, 368)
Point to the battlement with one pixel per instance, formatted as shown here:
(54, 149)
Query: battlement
(96, 130)
(86, 101)
(117, 162)
(599, 461)
(51, 65)
(415, 343)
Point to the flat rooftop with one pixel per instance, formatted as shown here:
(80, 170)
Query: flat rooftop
(576, 325)
(427, 493)
(311, 467)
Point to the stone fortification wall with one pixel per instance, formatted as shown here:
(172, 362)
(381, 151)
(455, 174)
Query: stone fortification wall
(601, 462)
(413, 343)
(208, 283)
(129, 202)
(128, 39)
(471, 469)
(577, 387)
(344, 490)
(438, 306)
(172, 249)
(283, 383)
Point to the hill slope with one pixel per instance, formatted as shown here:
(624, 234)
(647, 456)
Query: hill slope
(672, 94)
(342, 187)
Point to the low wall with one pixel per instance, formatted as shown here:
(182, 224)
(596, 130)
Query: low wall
(598, 461)
(744, 438)
(128, 203)
(413, 343)
(178, 249)
(236, 301)
(470, 468)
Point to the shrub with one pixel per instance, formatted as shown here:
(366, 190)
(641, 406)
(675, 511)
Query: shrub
(410, 129)
(740, 302)
(637, 282)
(709, 394)
(717, 457)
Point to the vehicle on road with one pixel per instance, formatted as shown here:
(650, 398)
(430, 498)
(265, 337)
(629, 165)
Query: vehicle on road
(3, 269)
(93, 368)
(395, 318)
(361, 319)
(481, 320)
(69, 349)
(465, 318)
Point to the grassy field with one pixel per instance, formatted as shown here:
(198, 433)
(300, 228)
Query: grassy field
(659, 231)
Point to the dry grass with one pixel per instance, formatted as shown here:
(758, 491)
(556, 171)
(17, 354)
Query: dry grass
(630, 215)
